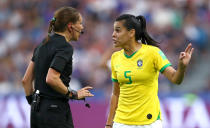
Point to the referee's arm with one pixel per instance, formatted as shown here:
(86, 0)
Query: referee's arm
(53, 79)
(28, 78)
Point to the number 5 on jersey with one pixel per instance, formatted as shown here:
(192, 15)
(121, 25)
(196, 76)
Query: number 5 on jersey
(126, 74)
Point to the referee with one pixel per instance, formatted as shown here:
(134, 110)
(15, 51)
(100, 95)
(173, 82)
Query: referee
(50, 68)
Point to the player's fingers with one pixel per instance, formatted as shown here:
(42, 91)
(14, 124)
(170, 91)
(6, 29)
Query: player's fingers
(188, 48)
(182, 55)
(191, 51)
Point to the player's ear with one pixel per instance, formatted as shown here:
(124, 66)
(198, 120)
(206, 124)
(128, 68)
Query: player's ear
(132, 33)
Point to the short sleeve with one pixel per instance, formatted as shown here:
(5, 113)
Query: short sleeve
(114, 75)
(34, 54)
(161, 61)
(61, 58)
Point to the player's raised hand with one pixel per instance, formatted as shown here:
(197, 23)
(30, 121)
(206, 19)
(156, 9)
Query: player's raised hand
(185, 57)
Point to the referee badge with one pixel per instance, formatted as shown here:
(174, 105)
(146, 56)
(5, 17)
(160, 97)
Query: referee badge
(139, 63)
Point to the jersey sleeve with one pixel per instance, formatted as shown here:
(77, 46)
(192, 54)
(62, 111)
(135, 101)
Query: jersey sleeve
(36, 50)
(34, 54)
(61, 58)
(114, 75)
(161, 61)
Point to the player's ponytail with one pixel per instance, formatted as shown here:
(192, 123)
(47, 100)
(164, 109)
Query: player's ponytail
(144, 36)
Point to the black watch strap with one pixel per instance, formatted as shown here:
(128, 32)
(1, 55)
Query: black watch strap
(74, 95)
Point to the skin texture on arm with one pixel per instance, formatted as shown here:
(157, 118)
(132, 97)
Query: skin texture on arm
(53, 79)
(113, 104)
(28, 78)
(177, 76)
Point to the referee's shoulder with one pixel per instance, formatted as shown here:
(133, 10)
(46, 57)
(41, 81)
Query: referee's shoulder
(63, 45)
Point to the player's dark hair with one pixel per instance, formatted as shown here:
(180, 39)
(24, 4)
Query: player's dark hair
(61, 18)
(139, 25)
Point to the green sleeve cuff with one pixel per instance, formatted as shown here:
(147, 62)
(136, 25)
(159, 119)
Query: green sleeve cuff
(158, 118)
(114, 80)
(164, 67)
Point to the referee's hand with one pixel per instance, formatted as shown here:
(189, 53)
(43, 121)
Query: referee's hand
(84, 92)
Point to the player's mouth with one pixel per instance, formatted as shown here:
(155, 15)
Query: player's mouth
(114, 41)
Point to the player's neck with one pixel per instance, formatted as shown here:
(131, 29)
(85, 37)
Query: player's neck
(133, 47)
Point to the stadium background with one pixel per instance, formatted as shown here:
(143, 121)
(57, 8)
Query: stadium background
(174, 23)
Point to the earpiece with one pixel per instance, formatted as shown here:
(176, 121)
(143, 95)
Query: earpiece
(81, 32)
(70, 26)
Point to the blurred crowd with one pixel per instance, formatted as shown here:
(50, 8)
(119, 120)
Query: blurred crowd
(24, 23)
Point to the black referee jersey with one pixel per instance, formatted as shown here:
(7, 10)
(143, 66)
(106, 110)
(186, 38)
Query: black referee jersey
(56, 54)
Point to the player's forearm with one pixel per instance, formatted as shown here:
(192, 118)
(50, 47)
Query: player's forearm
(113, 107)
(179, 75)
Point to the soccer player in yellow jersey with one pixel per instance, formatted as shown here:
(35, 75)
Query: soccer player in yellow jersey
(135, 71)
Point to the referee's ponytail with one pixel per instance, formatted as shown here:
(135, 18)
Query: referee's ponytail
(139, 24)
(50, 29)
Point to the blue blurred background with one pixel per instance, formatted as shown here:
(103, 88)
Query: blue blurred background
(173, 23)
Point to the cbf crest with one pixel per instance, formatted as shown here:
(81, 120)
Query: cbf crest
(139, 63)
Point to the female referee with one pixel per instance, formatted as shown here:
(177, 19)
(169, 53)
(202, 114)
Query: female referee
(135, 71)
(50, 68)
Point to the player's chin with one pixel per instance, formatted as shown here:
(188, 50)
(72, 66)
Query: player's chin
(116, 45)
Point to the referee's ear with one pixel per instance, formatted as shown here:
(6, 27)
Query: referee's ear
(69, 28)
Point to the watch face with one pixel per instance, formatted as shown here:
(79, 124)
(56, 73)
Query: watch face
(73, 94)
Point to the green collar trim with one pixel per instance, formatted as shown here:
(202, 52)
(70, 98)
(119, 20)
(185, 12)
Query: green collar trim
(127, 56)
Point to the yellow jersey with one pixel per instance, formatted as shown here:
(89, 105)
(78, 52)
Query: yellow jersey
(137, 76)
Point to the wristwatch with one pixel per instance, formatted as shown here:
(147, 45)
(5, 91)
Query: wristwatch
(73, 93)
